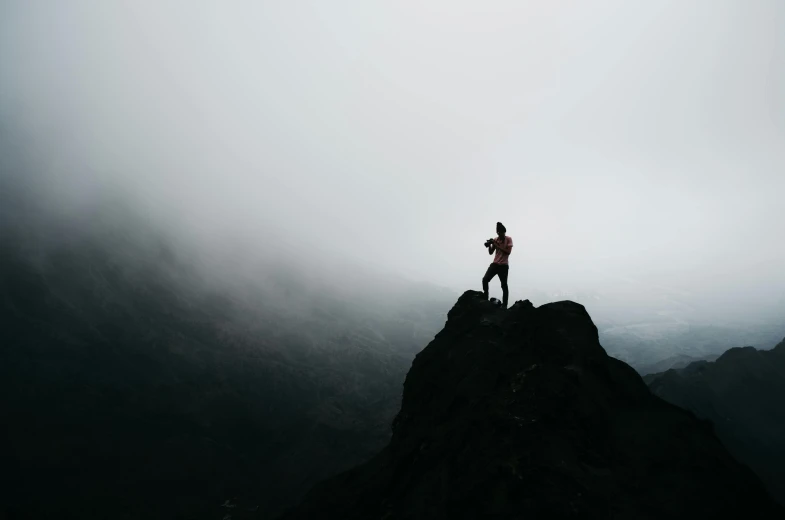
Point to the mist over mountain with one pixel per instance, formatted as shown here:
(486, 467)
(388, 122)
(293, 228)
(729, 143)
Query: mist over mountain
(651, 347)
(591, 138)
(137, 386)
(227, 229)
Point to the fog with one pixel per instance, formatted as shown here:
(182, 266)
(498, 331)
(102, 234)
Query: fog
(635, 151)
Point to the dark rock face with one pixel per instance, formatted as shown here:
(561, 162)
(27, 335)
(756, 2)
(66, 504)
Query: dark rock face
(743, 394)
(521, 414)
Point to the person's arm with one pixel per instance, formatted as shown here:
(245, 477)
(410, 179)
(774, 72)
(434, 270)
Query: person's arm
(492, 248)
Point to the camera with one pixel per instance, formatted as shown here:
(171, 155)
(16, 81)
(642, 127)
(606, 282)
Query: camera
(488, 242)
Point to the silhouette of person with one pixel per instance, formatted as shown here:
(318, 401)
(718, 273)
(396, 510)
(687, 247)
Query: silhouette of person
(502, 246)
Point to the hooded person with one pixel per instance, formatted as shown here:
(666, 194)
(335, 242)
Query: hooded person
(502, 247)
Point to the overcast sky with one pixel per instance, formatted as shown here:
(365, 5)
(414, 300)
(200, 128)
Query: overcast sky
(638, 140)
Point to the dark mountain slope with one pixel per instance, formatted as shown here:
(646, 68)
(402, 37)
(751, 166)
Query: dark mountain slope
(743, 394)
(132, 386)
(521, 414)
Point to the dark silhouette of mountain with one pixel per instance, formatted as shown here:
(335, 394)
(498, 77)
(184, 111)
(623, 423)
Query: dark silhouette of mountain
(521, 414)
(134, 387)
(743, 394)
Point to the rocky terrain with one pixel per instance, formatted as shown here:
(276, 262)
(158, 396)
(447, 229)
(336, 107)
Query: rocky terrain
(522, 414)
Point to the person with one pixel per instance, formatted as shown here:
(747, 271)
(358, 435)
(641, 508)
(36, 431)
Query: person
(502, 246)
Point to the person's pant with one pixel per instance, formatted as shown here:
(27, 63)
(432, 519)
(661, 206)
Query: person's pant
(502, 270)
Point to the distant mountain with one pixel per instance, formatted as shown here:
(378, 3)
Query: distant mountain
(677, 361)
(653, 327)
(135, 386)
(650, 347)
(743, 394)
(521, 414)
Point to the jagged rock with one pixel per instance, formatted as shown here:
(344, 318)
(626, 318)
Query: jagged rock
(743, 394)
(521, 414)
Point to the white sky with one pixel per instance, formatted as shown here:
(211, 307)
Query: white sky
(619, 139)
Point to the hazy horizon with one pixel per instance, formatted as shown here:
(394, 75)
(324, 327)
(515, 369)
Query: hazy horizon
(634, 151)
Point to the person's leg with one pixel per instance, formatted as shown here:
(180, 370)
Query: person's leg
(503, 273)
(489, 274)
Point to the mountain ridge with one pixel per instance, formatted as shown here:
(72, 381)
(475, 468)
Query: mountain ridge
(742, 393)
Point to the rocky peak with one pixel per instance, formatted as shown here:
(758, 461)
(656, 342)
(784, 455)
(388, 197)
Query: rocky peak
(521, 413)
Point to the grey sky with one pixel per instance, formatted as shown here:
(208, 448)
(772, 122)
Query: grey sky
(617, 140)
